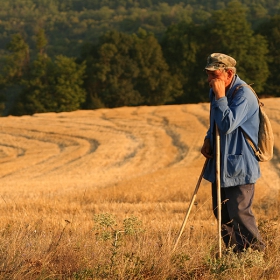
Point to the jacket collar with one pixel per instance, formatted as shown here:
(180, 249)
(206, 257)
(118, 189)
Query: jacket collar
(236, 81)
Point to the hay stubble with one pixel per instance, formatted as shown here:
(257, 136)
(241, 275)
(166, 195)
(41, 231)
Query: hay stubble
(141, 161)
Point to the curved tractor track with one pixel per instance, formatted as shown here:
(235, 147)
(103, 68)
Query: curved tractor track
(92, 149)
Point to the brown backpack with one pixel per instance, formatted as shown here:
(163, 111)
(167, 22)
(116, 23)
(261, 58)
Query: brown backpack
(264, 151)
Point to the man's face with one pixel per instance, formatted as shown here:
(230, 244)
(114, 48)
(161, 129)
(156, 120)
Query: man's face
(225, 76)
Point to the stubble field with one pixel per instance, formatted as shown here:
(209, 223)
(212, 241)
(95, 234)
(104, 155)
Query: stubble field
(102, 195)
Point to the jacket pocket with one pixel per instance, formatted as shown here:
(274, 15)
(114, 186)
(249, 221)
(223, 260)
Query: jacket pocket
(235, 166)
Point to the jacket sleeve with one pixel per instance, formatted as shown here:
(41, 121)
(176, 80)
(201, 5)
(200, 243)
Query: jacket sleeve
(208, 133)
(229, 117)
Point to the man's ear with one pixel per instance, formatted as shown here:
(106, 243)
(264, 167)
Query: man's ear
(230, 73)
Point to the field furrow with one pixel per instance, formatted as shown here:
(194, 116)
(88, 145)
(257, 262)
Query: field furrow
(141, 146)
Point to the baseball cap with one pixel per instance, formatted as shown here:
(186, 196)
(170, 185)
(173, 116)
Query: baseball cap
(217, 61)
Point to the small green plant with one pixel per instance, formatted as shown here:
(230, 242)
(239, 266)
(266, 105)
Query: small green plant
(268, 229)
(231, 260)
(179, 260)
(83, 275)
(106, 229)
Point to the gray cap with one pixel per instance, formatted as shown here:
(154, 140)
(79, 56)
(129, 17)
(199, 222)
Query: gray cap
(217, 61)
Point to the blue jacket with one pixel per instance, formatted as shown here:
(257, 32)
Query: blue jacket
(239, 165)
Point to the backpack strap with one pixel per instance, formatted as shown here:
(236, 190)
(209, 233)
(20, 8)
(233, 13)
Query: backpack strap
(250, 141)
(249, 86)
(260, 105)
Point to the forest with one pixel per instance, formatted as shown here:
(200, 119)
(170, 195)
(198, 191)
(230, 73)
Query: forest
(66, 55)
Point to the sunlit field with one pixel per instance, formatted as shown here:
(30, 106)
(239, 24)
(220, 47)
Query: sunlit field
(103, 194)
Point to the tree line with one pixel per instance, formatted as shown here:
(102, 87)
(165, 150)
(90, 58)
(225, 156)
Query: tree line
(136, 68)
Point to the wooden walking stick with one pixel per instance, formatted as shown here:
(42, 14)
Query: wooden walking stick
(218, 186)
(191, 204)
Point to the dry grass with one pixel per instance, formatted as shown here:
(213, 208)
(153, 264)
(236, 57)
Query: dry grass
(102, 195)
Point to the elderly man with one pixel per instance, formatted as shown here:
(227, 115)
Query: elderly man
(233, 109)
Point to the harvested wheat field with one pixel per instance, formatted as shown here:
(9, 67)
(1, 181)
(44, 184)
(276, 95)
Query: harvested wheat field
(102, 195)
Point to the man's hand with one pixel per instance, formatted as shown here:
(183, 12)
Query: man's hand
(218, 87)
(206, 149)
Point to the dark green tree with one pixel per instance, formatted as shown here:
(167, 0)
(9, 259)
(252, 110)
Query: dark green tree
(154, 81)
(48, 85)
(34, 87)
(231, 33)
(17, 60)
(52, 86)
(67, 77)
(186, 47)
(182, 45)
(112, 70)
(271, 31)
(129, 70)
(15, 68)
(41, 41)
